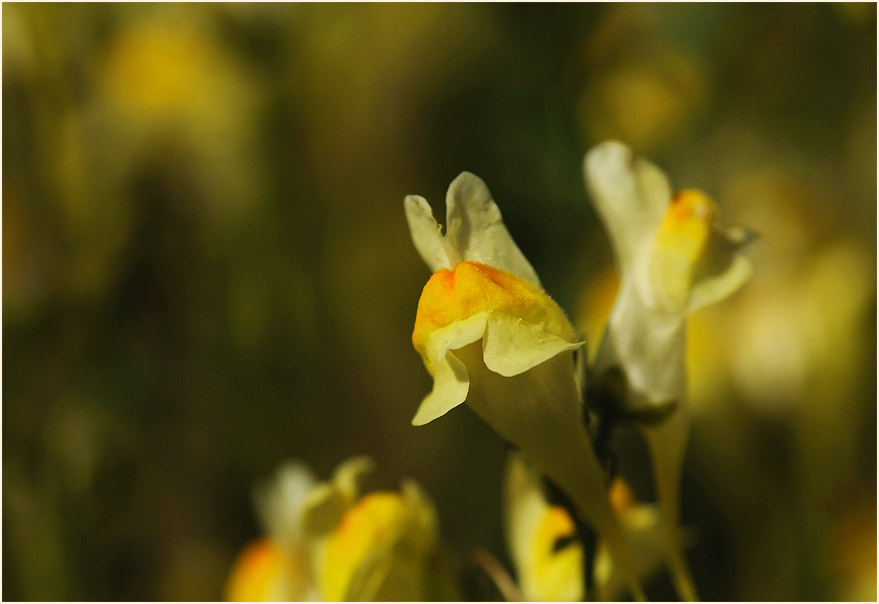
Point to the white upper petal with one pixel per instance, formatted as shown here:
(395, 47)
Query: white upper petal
(631, 196)
(280, 502)
(476, 229)
(649, 347)
(426, 233)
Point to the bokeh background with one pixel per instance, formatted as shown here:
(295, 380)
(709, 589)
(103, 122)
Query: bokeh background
(207, 270)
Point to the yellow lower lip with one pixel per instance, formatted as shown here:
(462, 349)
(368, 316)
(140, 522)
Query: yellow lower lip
(680, 244)
(471, 288)
(557, 573)
(687, 224)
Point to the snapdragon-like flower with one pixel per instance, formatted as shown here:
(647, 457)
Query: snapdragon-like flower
(672, 260)
(541, 539)
(489, 335)
(328, 541)
(547, 553)
(383, 546)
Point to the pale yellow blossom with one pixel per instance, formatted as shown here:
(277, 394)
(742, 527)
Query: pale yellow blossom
(329, 541)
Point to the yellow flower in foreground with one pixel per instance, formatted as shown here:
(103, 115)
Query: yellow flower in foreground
(489, 335)
(672, 261)
(329, 542)
(483, 288)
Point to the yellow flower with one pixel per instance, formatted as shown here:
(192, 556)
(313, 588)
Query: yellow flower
(545, 550)
(672, 261)
(383, 548)
(489, 335)
(483, 288)
(327, 541)
(548, 561)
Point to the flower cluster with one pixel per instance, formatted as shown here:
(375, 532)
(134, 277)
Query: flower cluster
(492, 338)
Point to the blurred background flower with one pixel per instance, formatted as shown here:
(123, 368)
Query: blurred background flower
(207, 269)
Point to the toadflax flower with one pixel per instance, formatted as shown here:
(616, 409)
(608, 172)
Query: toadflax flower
(672, 260)
(544, 545)
(541, 539)
(489, 335)
(327, 541)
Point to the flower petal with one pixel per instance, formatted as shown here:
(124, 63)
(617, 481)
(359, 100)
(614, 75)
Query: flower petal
(523, 507)
(631, 196)
(679, 247)
(422, 534)
(426, 233)
(545, 574)
(322, 511)
(540, 412)
(266, 572)
(641, 525)
(280, 502)
(511, 346)
(450, 386)
(382, 551)
(367, 532)
(716, 288)
(723, 269)
(476, 229)
(451, 382)
(648, 348)
(349, 476)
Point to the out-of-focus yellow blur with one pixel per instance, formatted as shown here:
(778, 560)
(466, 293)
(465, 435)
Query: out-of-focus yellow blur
(206, 268)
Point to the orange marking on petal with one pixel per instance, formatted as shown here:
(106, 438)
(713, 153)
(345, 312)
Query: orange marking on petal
(258, 573)
(680, 243)
(557, 572)
(621, 496)
(471, 288)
